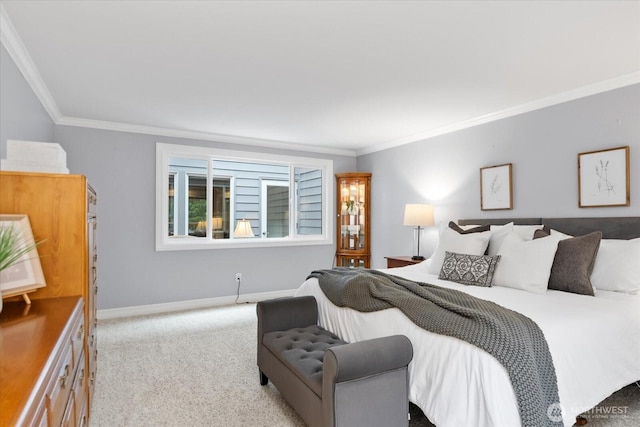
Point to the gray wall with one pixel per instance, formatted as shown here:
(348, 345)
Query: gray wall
(121, 167)
(21, 113)
(542, 146)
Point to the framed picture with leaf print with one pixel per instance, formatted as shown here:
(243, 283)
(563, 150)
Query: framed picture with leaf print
(496, 190)
(603, 178)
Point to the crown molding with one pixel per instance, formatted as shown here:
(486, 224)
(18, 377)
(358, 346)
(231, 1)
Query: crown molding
(204, 136)
(18, 52)
(581, 92)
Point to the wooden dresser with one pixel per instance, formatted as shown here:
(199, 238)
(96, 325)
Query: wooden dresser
(42, 369)
(62, 211)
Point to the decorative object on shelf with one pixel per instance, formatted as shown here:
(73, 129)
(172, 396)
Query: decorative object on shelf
(352, 207)
(243, 229)
(418, 215)
(20, 269)
(353, 230)
(603, 178)
(32, 156)
(496, 190)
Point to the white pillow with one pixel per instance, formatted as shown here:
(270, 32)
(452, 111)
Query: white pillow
(452, 241)
(617, 266)
(560, 233)
(525, 264)
(526, 231)
(499, 227)
(498, 234)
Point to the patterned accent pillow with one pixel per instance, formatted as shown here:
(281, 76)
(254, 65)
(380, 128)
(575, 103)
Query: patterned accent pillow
(467, 269)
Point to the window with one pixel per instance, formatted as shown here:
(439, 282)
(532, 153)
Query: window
(204, 193)
(274, 212)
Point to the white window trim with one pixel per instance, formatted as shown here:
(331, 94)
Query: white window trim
(175, 205)
(232, 200)
(263, 202)
(187, 185)
(166, 243)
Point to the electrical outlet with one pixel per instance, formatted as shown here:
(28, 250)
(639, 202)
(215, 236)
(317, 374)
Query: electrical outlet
(238, 277)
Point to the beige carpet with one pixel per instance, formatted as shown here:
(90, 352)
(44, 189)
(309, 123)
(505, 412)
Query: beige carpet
(198, 368)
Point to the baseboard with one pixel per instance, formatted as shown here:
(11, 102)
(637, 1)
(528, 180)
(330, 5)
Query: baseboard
(141, 310)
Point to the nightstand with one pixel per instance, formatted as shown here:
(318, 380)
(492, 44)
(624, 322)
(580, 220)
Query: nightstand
(401, 261)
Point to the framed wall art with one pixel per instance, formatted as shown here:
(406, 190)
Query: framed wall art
(25, 274)
(496, 190)
(603, 178)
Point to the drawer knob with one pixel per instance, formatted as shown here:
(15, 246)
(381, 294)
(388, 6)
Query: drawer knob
(81, 331)
(64, 376)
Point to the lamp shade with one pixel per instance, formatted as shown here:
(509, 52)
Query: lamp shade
(418, 215)
(217, 222)
(243, 229)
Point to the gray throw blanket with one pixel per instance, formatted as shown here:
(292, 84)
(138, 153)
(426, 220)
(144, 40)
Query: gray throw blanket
(512, 338)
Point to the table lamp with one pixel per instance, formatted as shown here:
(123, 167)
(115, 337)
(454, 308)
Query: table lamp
(418, 215)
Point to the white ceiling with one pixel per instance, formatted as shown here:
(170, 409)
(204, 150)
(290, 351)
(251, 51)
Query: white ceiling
(347, 77)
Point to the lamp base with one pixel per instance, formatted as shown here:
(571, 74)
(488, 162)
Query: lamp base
(417, 258)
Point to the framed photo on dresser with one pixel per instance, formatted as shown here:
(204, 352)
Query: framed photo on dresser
(25, 273)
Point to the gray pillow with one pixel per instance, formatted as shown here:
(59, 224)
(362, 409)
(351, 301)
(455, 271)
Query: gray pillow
(467, 269)
(573, 263)
(478, 229)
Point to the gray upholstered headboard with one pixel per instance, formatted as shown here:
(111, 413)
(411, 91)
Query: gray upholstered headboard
(611, 227)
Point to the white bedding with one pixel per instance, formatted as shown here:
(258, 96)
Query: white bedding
(594, 343)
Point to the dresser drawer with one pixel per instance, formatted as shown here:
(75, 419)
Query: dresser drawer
(69, 419)
(60, 385)
(82, 414)
(92, 357)
(77, 340)
(40, 417)
(80, 392)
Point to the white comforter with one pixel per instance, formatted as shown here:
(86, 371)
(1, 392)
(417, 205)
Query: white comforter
(594, 343)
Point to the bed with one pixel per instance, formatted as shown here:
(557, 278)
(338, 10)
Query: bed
(594, 340)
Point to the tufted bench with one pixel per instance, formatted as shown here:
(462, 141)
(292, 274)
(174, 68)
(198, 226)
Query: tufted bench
(328, 381)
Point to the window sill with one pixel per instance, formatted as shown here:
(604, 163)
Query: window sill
(187, 243)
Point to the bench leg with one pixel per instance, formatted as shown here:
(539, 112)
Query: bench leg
(264, 380)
